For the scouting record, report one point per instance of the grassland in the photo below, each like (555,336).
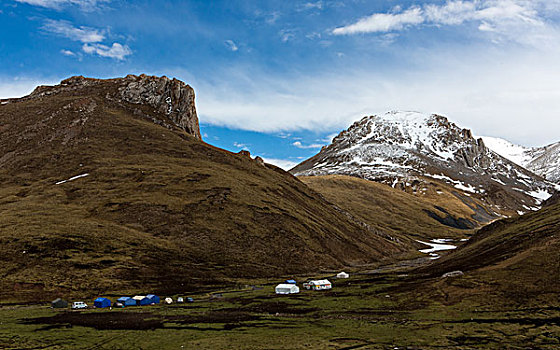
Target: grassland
(363,312)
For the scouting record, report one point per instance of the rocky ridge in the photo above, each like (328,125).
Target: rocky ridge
(544,161)
(169,97)
(409,149)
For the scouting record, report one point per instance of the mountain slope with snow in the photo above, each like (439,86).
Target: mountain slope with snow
(407,148)
(543,161)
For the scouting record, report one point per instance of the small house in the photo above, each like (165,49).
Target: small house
(142,300)
(343,275)
(318,285)
(153,298)
(126,301)
(59,304)
(102,302)
(286,288)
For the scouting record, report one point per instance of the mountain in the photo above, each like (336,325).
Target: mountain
(543,161)
(106,186)
(410,150)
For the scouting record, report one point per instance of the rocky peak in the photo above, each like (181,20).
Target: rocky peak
(401,148)
(170,97)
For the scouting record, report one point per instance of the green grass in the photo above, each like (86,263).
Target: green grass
(357,312)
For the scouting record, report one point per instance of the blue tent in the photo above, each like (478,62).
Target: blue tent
(102,302)
(291,281)
(142,300)
(126,301)
(153,298)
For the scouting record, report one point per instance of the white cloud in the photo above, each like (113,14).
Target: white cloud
(67,30)
(286,35)
(513,95)
(58,4)
(521,21)
(90,37)
(231,45)
(318,5)
(240,145)
(67,53)
(116,51)
(281,163)
(383,22)
(18,87)
(298,144)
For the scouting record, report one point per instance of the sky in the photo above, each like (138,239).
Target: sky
(282,78)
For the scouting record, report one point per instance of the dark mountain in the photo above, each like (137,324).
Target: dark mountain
(107,186)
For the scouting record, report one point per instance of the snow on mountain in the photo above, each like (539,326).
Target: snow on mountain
(517,154)
(543,161)
(403,147)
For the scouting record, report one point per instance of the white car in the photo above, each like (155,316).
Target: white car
(79,305)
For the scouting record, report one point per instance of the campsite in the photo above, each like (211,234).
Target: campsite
(381,308)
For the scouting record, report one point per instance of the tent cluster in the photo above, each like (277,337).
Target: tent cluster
(138,300)
(290,286)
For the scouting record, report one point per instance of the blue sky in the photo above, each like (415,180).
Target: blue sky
(280,78)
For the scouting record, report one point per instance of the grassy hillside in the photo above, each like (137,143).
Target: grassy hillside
(514,261)
(434,211)
(158,210)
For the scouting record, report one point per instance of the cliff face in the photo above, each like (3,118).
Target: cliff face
(168,97)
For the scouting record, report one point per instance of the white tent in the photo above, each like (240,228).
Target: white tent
(286,289)
(342,275)
(180,300)
(318,285)
(168,300)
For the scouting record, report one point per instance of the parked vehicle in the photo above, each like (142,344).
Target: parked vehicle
(190,300)
(79,305)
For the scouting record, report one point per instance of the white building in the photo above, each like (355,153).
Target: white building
(285,288)
(343,275)
(318,285)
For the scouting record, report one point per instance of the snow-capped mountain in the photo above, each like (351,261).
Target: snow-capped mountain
(543,161)
(404,147)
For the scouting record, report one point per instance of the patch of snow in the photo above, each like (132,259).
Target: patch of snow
(436,246)
(71,179)
(499,181)
(540,195)
(517,154)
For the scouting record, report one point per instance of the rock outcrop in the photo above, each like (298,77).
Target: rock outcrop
(169,97)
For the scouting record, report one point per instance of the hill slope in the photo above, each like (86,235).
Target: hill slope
(106,186)
(433,211)
(513,261)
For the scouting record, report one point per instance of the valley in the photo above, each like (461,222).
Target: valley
(108,189)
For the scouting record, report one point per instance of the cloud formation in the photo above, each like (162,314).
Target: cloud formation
(516,20)
(67,30)
(494,94)
(231,45)
(298,144)
(91,39)
(58,4)
(116,51)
